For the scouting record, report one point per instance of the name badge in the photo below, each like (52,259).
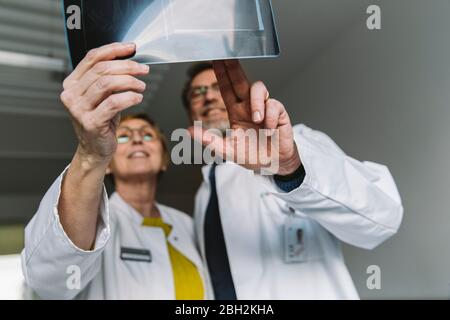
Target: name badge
(294,240)
(131,254)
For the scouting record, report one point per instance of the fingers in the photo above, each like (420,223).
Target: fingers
(115,104)
(270,112)
(226,88)
(233,82)
(107,52)
(107,85)
(213,141)
(276,114)
(103,68)
(236,74)
(258,95)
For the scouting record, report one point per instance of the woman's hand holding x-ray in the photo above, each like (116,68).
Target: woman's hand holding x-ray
(96,92)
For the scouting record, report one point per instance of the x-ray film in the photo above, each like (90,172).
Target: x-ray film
(167,31)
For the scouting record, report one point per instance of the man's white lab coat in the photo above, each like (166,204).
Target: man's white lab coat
(341,199)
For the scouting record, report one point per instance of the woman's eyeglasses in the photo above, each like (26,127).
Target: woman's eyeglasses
(125,134)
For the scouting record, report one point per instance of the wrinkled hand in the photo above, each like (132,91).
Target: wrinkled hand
(96,92)
(249,107)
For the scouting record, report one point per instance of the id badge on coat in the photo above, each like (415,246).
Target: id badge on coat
(295,249)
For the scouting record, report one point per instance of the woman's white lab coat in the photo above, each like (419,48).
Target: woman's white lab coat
(56,269)
(340,199)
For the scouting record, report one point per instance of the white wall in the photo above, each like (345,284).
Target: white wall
(385,96)
(11,278)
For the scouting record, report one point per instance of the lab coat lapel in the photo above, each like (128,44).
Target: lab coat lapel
(201,206)
(180,240)
(120,204)
(239,214)
(177,239)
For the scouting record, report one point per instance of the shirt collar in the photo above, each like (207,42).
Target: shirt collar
(133,214)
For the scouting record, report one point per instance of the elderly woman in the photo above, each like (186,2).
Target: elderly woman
(80,244)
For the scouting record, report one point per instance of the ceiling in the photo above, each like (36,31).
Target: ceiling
(36,138)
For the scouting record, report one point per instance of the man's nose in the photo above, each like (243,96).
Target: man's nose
(212,95)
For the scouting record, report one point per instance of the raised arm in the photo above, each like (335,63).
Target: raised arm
(94,95)
(71,227)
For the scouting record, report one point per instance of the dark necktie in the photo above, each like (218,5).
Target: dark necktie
(215,249)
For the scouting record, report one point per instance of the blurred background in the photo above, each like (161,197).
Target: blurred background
(382,95)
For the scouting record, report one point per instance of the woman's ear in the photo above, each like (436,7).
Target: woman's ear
(108,170)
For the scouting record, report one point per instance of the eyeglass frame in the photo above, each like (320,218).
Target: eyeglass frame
(139,130)
(202,95)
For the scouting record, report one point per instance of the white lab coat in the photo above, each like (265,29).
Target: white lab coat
(341,199)
(49,253)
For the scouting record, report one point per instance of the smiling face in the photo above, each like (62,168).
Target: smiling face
(140,152)
(206,103)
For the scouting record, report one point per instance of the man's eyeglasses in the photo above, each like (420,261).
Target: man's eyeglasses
(125,134)
(198,93)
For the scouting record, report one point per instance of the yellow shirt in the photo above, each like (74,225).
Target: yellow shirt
(187,280)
